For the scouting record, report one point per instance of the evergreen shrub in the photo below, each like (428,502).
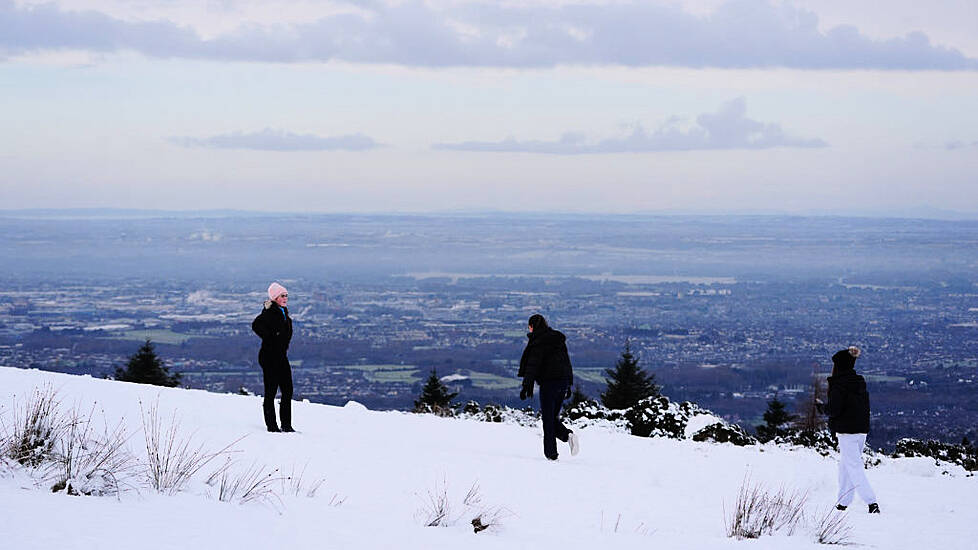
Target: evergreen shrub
(962,454)
(725,433)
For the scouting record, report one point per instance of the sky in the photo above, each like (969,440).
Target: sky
(796,106)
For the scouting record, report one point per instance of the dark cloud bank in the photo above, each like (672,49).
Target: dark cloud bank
(728,128)
(741,34)
(277,140)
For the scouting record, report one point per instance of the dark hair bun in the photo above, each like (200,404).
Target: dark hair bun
(537,322)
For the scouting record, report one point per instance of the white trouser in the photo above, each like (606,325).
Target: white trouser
(852,472)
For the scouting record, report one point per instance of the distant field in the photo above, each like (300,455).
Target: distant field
(884,379)
(385,374)
(373,368)
(592,374)
(493,381)
(157,336)
(877,378)
(393,376)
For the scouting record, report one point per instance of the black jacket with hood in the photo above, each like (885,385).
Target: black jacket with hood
(848,405)
(545,358)
(274,326)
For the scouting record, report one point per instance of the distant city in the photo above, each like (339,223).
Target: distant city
(728,312)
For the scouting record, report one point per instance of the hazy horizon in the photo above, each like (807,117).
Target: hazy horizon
(935,214)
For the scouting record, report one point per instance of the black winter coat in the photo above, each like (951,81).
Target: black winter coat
(848,405)
(275,330)
(545,358)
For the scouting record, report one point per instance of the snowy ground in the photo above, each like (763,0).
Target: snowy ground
(619,492)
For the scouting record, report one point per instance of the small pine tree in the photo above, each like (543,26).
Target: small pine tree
(775,420)
(435,396)
(628,383)
(145,367)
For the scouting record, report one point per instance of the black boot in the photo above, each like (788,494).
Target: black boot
(840,507)
(268,411)
(874,508)
(285,414)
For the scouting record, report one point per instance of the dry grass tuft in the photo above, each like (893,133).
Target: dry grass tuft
(296,484)
(832,527)
(171,458)
(256,483)
(36,427)
(86,462)
(437,509)
(759,511)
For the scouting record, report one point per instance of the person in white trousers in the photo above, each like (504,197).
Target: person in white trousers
(848,409)
(852,472)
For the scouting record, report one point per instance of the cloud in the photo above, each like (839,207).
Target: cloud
(959,144)
(728,128)
(739,34)
(278,140)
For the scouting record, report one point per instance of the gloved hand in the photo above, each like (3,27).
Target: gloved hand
(526,392)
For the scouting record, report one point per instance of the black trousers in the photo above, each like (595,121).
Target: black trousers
(551,400)
(277,375)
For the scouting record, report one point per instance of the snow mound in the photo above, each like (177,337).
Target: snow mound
(355,406)
(917,466)
(699,421)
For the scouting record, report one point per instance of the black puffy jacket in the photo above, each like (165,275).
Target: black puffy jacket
(848,405)
(545,358)
(275,330)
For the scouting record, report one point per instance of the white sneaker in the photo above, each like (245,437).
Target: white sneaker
(575,444)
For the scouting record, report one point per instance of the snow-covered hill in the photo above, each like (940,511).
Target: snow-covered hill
(381,468)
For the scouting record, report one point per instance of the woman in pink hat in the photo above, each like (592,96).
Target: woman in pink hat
(274,326)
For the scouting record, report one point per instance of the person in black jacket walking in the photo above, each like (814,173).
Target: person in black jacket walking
(545,361)
(274,326)
(848,409)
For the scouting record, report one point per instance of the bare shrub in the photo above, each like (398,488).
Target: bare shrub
(89,463)
(759,511)
(222,470)
(7,467)
(437,509)
(489,518)
(641,528)
(35,428)
(832,527)
(473,497)
(253,484)
(485,517)
(477,524)
(171,458)
(296,484)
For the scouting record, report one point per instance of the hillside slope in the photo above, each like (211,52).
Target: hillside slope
(620,491)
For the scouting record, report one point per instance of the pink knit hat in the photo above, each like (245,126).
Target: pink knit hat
(275,290)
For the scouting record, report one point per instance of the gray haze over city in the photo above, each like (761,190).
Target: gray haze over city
(727,311)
